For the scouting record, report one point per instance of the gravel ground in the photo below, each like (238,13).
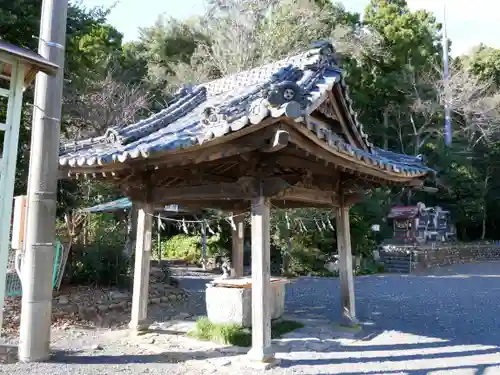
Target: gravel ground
(458,303)
(446,321)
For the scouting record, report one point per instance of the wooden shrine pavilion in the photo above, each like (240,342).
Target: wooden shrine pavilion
(282,134)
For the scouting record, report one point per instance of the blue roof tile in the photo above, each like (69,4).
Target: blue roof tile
(291,87)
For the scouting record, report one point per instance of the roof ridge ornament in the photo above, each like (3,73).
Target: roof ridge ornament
(324,53)
(287,94)
(112,136)
(212,115)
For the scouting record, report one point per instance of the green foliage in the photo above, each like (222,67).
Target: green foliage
(184,247)
(484,62)
(233,334)
(100,262)
(226,334)
(369,267)
(306,258)
(188,247)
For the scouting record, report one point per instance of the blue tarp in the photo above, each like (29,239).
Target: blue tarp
(124,204)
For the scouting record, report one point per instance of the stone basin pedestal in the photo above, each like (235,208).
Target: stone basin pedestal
(229,301)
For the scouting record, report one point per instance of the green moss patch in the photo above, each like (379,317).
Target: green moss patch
(233,334)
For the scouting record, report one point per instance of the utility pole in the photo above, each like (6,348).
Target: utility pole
(446,80)
(37,267)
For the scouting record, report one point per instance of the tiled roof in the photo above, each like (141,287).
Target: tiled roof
(291,87)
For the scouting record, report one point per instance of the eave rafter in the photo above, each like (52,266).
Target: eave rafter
(282,161)
(312,145)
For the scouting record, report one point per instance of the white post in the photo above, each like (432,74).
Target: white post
(37,268)
(139,319)
(8,172)
(238,239)
(348,312)
(261,285)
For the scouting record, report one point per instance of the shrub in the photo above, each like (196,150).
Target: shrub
(306,257)
(188,247)
(102,261)
(98,264)
(183,247)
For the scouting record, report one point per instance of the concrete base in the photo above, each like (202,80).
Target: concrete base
(261,359)
(230,301)
(140,327)
(261,365)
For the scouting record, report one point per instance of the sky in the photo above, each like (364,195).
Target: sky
(470,22)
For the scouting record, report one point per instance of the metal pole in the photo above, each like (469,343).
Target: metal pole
(446,79)
(34,340)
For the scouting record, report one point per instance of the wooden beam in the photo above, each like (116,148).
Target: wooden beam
(229,206)
(338,93)
(327,123)
(229,196)
(352,199)
(311,144)
(244,188)
(278,142)
(342,120)
(317,168)
(279,203)
(309,196)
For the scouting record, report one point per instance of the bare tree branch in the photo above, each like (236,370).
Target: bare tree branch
(102,104)
(475,101)
(247,33)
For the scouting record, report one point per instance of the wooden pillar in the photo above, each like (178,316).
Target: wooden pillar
(348,308)
(261,285)
(141,269)
(131,231)
(238,238)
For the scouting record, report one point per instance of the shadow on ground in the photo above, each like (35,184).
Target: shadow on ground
(443,321)
(76,358)
(457,303)
(387,352)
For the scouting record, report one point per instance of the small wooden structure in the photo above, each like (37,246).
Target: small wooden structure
(420,224)
(18,67)
(282,135)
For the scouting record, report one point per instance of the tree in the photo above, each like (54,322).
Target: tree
(100,105)
(409,45)
(163,46)
(20,21)
(484,63)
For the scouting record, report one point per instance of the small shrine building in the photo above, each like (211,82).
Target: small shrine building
(283,134)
